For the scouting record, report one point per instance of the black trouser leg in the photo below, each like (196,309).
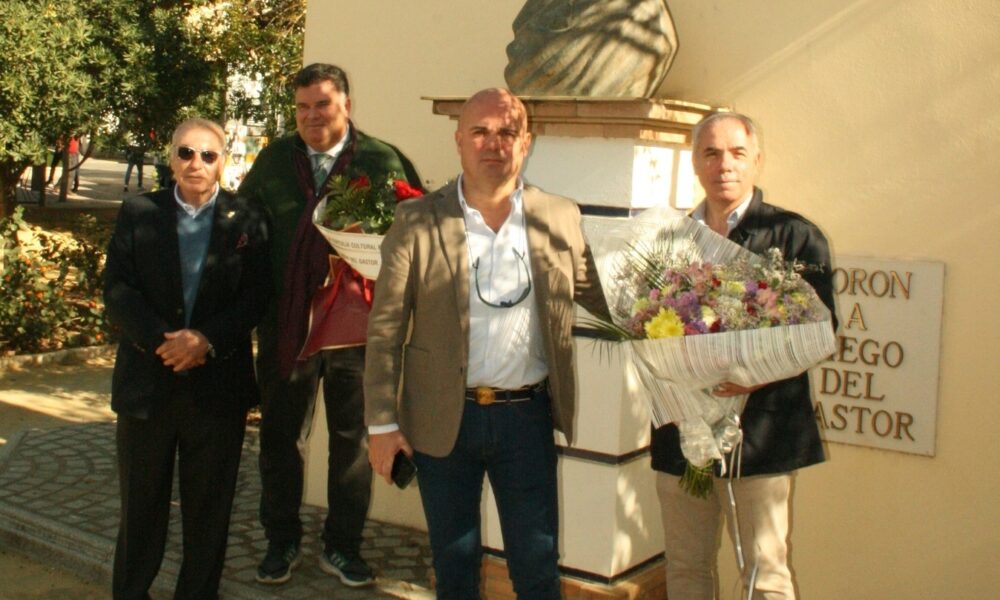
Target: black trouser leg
(146,450)
(349,474)
(286,417)
(208,465)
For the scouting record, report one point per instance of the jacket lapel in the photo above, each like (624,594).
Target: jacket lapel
(748,225)
(223,218)
(451,228)
(171,248)
(536,218)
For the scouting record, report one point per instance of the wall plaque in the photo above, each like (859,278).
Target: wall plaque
(880,387)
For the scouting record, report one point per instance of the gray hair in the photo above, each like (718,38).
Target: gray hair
(748,125)
(198,123)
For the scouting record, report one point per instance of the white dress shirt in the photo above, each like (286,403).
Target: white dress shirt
(333,152)
(192,211)
(505,343)
(698,214)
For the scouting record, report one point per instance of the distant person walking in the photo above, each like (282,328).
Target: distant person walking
(73,148)
(57,157)
(135,157)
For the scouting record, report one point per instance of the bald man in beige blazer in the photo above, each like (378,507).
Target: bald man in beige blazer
(470,351)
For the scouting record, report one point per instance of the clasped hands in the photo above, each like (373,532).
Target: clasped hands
(184,349)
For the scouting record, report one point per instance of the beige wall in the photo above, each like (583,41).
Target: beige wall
(881,123)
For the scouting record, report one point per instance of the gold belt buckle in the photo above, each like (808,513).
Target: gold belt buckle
(485,396)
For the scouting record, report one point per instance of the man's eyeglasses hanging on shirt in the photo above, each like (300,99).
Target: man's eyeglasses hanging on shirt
(505,303)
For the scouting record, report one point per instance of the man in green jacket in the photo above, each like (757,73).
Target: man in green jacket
(289,177)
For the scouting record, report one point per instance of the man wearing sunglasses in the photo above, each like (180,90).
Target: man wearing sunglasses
(473,313)
(186,282)
(288,178)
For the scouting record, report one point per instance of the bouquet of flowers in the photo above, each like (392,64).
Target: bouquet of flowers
(355,213)
(696,310)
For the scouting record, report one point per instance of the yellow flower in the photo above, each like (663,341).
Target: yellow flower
(708,316)
(800,299)
(640,305)
(734,288)
(665,324)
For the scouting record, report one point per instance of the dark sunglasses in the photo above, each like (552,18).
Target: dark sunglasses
(187,153)
(505,303)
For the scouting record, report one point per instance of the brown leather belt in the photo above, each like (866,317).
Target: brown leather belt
(484,396)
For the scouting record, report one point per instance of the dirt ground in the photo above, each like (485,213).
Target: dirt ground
(25,579)
(45,398)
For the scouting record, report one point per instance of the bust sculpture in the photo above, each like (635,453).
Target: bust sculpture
(595,48)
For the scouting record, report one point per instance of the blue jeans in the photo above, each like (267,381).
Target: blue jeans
(512,444)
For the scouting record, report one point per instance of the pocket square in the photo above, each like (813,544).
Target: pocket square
(243,241)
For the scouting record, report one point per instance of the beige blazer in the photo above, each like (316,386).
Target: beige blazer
(418,330)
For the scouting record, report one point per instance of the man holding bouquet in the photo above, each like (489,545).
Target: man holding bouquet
(472,314)
(779,427)
(289,178)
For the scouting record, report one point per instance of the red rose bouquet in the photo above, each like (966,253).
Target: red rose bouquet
(356,212)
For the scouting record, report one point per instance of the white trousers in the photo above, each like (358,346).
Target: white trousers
(692,536)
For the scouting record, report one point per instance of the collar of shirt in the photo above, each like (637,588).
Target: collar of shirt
(731,221)
(515,199)
(192,211)
(333,152)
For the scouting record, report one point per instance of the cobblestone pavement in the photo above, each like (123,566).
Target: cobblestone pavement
(59,498)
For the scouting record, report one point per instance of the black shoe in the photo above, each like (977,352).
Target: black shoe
(352,570)
(278,562)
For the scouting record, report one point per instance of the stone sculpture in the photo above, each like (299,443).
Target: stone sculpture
(594,48)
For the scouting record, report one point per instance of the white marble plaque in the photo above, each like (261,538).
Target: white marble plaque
(880,387)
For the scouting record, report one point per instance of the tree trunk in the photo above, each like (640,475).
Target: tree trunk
(66,174)
(8,192)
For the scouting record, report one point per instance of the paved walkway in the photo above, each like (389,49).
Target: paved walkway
(101,182)
(59,503)
(59,496)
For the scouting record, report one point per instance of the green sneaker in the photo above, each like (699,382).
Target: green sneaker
(352,570)
(278,563)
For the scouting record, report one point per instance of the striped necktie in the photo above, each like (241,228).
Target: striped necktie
(319,169)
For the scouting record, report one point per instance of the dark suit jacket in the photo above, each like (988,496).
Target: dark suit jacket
(418,330)
(779,425)
(144,298)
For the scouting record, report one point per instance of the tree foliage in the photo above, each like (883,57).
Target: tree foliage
(260,44)
(46,74)
(134,70)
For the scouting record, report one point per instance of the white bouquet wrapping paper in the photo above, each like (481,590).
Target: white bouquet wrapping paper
(360,250)
(675,374)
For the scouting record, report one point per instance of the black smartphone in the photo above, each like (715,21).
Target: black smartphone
(403,470)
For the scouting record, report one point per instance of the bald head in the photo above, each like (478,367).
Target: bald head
(493,139)
(497,99)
